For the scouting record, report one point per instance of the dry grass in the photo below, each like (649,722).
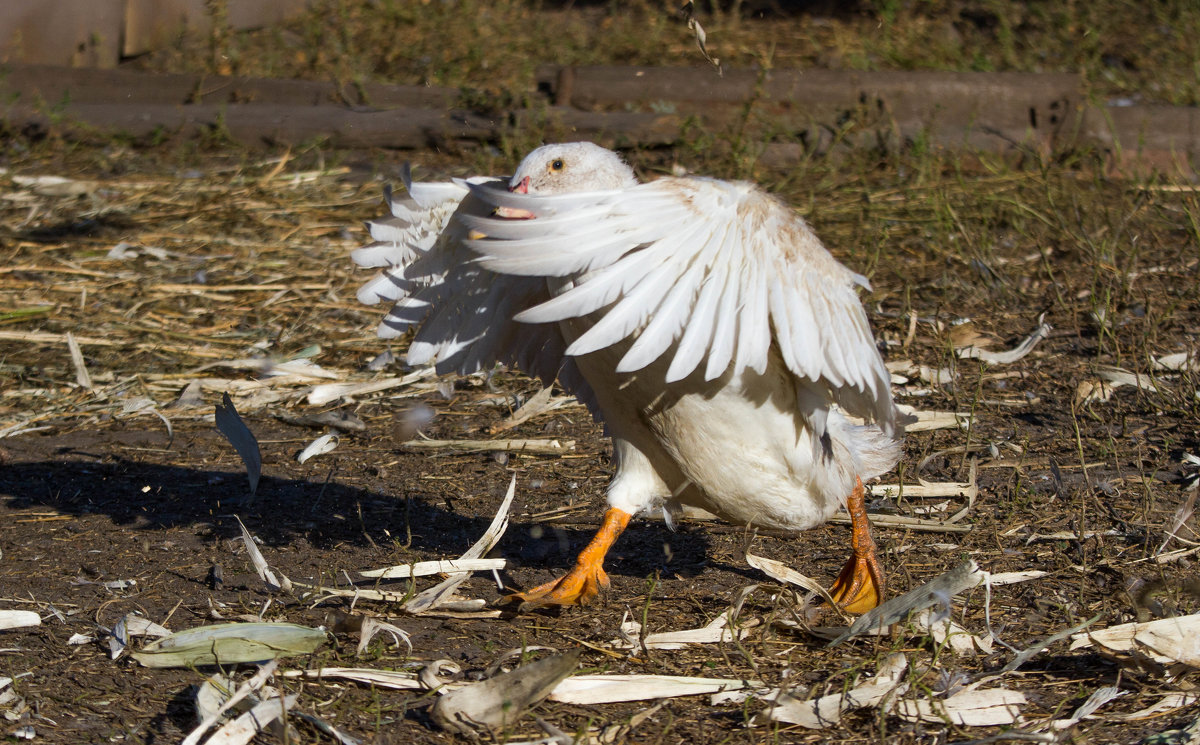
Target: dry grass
(255,265)
(490,49)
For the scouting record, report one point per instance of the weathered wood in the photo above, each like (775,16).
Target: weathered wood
(152,23)
(605,87)
(33,84)
(617,129)
(96,33)
(61,32)
(1144,139)
(261,124)
(1019,106)
(796,113)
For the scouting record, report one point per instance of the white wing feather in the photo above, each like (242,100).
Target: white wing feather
(710,273)
(464,313)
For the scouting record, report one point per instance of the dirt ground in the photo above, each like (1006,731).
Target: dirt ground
(251,262)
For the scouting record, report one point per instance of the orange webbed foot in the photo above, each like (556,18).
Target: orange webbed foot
(577,587)
(587,578)
(861,585)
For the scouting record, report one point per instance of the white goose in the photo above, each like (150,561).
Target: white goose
(701,320)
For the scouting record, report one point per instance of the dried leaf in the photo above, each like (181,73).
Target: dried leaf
(714,633)
(1117,376)
(926,489)
(230,643)
(211,695)
(118,640)
(827,711)
(371,627)
(1181,516)
(1005,358)
(136,625)
(438,595)
(1178,642)
(302,368)
(780,572)
(986,707)
(142,405)
(339,419)
(327,728)
(230,424)
(1167,640)
(122,251)
(496,703)
(452,609)
(1099,697)
(1111,378)
(112,584)
(260,563)
(945,631)
(1178,362)
(689,12)
(610,689)
(327,392)
(189,397)
(15,619)
(1168,703)
(1089,391)
(56,186)
(538,404)
(81,374)
(938,590)
(243,729)
(12,706)
(253,684)
(927,421)
(1012,578)
(425,568)
(903,370)
(366,676)
(540,447)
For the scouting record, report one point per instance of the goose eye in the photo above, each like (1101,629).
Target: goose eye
(556,164)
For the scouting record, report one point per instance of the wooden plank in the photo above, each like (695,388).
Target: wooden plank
(50,84)
(1142,140)
(945,110)
(1037,106)
(270,124)
(615,129)
(260,124)
(61,32)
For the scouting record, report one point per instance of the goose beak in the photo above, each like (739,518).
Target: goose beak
(516,213)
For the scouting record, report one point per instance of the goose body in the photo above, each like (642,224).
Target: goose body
(701,320)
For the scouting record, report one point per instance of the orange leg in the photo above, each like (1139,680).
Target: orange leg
(585,581)
(860,585)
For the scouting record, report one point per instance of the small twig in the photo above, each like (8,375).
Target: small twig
(546,447)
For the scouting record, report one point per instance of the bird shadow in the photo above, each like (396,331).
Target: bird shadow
(326,516)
